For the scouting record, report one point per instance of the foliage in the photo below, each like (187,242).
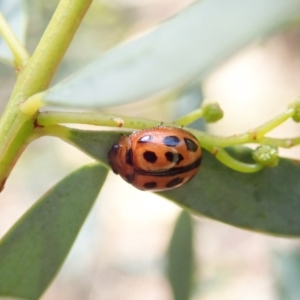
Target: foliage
(171,60)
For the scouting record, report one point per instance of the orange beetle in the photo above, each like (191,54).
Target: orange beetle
(156,159)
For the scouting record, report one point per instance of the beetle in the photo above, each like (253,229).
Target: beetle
(156,159)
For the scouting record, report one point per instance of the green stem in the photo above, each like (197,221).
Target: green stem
(207,141)
(252,136)
(213,144)
(16,127)
(97,119)
(260,131)
(284,143)
(58,131)
(21,56)
(236,165)
(190,118)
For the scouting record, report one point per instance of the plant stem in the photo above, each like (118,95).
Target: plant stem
(15,127)
(190,118)
(213,144)
(284,143)
(21,56)
(252,136)
(207,141)
(235,164)
(97,119)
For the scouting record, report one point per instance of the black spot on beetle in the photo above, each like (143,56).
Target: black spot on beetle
(145,139)
(173,157)
(150,156)
(129,157)
(172,171)
(150,185)
(191,145)
(180,158)
(114,149)
(174,182)
(111,156)
(171,140)
(169,156)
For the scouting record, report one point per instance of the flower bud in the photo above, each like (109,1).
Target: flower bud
(296,105)
(266,155)
(212,111)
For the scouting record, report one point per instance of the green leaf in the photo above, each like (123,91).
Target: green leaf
(181,257)
(287,274)
(15,14)
(34,249)
(94,143)
(267,201)
(184,48)
(187,100)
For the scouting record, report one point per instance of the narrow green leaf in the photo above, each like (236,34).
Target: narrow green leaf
(94,143)
(32,252)
(267,201)
(15,14)
(181,257)
(287,274)
(189,99)
(184,48)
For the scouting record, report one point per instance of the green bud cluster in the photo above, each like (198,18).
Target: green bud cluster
(212,111)
(266,155)
(296,105)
